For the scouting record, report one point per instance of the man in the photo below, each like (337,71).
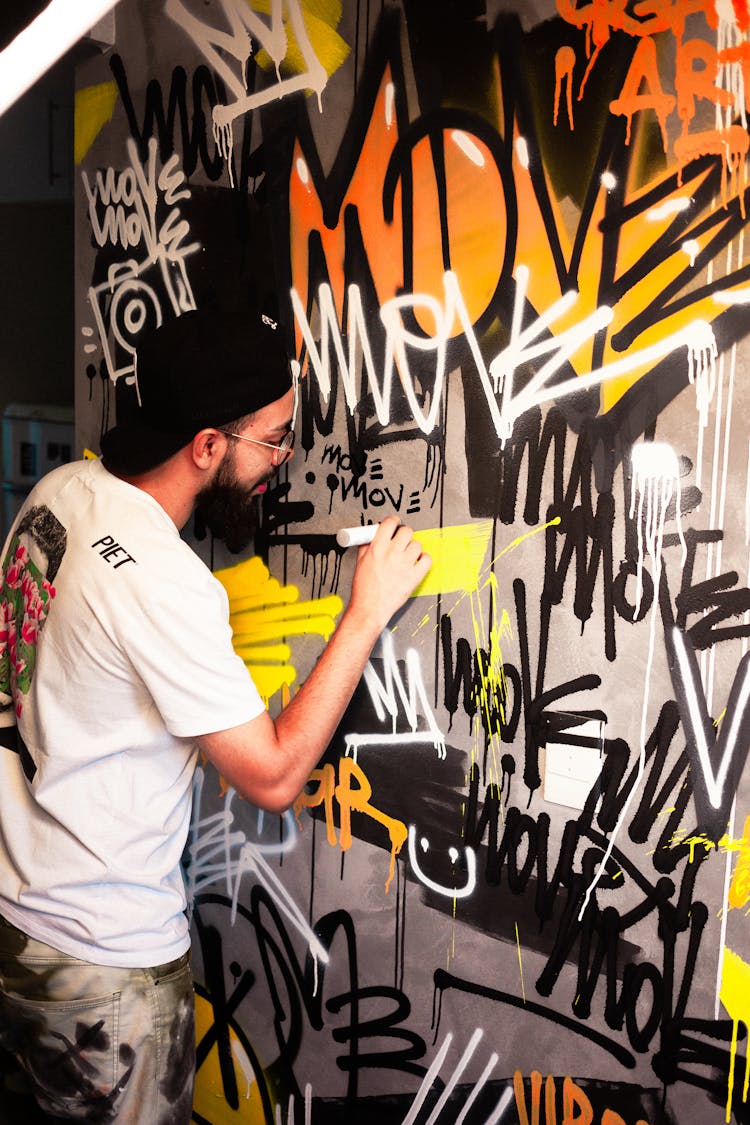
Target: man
(116,666)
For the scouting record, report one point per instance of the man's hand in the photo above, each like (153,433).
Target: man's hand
(388,570)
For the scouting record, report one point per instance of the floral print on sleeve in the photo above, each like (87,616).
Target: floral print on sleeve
(25,599)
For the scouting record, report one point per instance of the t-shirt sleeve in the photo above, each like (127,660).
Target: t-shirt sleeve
(179,641)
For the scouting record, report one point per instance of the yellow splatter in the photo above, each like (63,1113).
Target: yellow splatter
(735,996)
(262,612)
(209,1100)
(725,844)
(321,18)
(94,106)
(491,687)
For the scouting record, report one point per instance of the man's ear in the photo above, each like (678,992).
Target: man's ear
(208,448)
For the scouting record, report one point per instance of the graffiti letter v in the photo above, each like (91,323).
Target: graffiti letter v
(716,760)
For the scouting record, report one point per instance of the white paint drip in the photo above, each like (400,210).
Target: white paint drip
(730,74)
(656,479)
(225,143)
(711,554)
(702,353)
(302,170)
(692,248)
(241,1058)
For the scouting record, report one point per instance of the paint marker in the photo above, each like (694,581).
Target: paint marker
(356,536)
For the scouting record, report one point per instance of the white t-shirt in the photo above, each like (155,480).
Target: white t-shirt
(115,652)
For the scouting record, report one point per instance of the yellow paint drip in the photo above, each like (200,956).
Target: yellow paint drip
(457,555)
(735,996)
(94,106)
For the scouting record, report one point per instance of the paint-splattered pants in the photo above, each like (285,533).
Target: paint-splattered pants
(98,1044)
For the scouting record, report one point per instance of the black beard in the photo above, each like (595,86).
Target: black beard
(228,511)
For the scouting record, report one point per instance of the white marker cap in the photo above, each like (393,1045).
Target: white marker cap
(356,536)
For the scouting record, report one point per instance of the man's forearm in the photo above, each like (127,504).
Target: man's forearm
(305,727)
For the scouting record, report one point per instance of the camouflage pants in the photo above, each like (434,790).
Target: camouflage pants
(98,1044)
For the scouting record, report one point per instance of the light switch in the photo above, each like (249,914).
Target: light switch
(572,768)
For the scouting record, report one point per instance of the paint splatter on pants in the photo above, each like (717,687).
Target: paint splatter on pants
(98,1044)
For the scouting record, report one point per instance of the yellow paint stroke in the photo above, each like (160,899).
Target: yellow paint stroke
(739,889)
(262,613)
(735,996)
(321,18)
(457,555)
(94,106)
(89,455)
(520,963)
(209,1100)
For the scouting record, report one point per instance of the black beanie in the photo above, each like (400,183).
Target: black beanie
(204,368)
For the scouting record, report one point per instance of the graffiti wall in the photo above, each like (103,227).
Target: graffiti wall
(506,241)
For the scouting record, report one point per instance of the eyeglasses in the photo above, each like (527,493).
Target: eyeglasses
(281,452)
